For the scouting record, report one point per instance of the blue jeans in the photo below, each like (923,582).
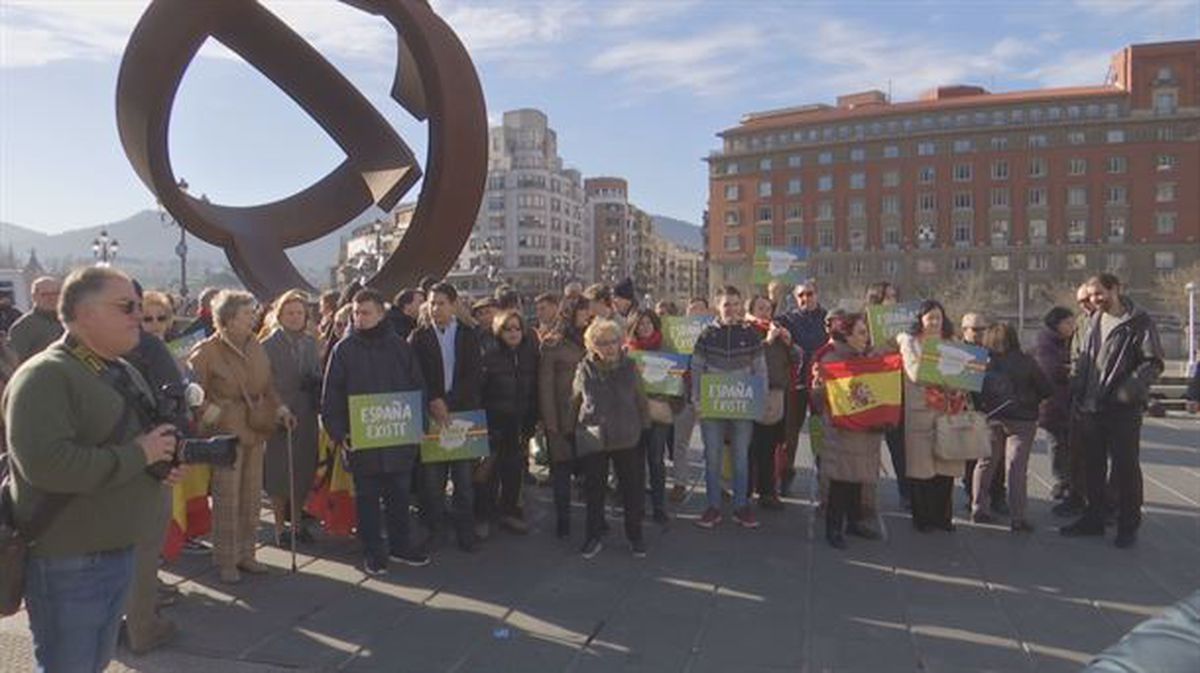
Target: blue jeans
(713,433)
(75,605)
(654,441)
(393,488)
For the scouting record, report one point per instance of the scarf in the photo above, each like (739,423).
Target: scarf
(650,343)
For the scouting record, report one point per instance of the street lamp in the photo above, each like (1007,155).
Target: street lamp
(1190,288)
(104,248)
(181,248)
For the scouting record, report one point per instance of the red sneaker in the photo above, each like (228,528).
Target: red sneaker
(745,517)
(710,518)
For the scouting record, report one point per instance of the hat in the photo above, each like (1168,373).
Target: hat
(625,290)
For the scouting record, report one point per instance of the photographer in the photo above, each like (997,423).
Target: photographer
(80,449)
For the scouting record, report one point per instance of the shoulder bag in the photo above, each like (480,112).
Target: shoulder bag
(962,436)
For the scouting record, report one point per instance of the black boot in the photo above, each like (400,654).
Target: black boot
(856,525)
(835,516)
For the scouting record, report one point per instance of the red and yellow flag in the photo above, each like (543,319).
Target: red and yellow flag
(864,394)
(190,513)
(332,496)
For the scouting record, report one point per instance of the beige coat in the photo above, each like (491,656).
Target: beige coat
(223,370)
(556,376)
(919,420)
(846,455)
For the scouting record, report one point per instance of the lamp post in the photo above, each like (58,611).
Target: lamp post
(181,248)
(105,248)
(1190,288)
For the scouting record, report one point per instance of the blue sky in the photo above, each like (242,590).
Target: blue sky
(633,88)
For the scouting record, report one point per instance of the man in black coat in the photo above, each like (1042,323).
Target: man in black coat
(1110,384)
(404,311)
(451,361)
(371,359)
(806,324)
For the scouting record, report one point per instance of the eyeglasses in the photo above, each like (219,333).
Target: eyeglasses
(155,318)
(128,307)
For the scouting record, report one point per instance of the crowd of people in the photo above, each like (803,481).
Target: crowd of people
(558,381)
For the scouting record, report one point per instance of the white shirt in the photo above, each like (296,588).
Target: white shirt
(446,337)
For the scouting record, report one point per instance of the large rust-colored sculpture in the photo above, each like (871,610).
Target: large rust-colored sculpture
(435,80)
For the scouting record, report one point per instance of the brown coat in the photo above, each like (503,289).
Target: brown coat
(919,420)
(556,376)
(848,456)
(223,370)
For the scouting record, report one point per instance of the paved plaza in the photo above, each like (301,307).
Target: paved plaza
(773,599)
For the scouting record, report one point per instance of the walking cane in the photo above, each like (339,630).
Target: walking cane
(292,495)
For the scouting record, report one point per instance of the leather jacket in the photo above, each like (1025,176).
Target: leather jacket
(1116,373)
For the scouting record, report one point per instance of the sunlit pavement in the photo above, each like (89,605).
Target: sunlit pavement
(773,599)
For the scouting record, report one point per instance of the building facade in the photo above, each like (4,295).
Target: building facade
(532,231)
(369,245)
(1028,189)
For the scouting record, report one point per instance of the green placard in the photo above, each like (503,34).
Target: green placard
(662,373)
(952,364)
(680,333)
(787,265)
(466,437)
(386,419)
(888,320)
(732,396)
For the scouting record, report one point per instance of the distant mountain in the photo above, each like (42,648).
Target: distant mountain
(678,231)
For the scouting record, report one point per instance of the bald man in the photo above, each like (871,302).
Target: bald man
(39,328)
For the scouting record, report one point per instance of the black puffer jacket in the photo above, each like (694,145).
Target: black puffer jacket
(1116,373)
(1014,387)
(510,386)
(1053,354)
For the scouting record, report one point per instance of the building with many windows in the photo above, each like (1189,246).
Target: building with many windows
(1029,188)
(532,230)
(370,244)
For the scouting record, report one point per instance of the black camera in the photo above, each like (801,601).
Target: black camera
(173,405)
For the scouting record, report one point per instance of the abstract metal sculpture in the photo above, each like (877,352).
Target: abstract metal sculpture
(435,80)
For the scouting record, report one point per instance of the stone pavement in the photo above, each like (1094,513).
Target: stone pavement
(773,599)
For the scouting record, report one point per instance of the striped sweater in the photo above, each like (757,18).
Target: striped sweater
(727,349)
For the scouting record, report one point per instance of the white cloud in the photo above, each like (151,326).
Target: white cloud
(706,64)
(1111,8)
(1073,68)
(635,13)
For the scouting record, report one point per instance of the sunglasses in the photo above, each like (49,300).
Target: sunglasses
(128,307)
(155,318)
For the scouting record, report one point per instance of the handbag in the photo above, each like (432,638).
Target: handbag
(589,439)
(773,407)
(962,436)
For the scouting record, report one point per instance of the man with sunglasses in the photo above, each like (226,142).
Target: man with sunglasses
(80,448)
(39,328)
(806,324)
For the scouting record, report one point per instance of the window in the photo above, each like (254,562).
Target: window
(926,149)
(1076,137)
(1000,169)
(825,238)
(926,235)
(732,192)
(496,182)
(962,172)
(926,266)
(764,213)
(962,264)
(764,164)
(824,267)
(1164,102)
(1165,192)
(795,241)
(1164,223)
(858,181)
(764,237)
(1116,164)
(825,158)
(857,154)
(964,200)
(794,186)
(891,237)
(1037,167)
(1037,231)
(495,203)
(1000,197)
(891,178)
(1000,231)
(731,168)
(1115,136)
(1039,262)
(891,267)
(1076,196)
(825,210)
(1115,261)
(1164,260)
(733,243)
(1037,140)
(1164,162)
(857,208)
(963,145)
(926,175)
(732,218)
(999,143)
(795,161)
(891,151)
(1165,134)
(764,189)
(1077,230)
(891,204)
(1116,194)
(1116,229)
(825,183)
(795,212)
(927,202)
(1037,196)
(1076,166)
(963,233)
(1076,261)
(999,262)
(858,239)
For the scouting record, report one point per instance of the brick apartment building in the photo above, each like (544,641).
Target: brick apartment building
(1035,188)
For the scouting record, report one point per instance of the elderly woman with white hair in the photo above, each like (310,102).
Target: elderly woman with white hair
(235,372)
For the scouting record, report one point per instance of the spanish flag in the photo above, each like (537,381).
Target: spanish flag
(190,513)
(864,394)
(331,498)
